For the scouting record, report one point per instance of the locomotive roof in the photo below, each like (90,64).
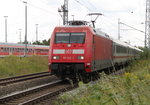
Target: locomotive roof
(22,45)
(99,32)
(77,22)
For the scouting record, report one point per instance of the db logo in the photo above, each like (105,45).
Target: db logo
(68,51)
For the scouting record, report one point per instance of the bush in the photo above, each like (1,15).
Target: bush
(132,88)
(145,54)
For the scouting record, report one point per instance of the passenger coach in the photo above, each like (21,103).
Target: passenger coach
(7,49)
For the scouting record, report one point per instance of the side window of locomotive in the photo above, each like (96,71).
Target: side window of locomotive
(62,38)
(77,38)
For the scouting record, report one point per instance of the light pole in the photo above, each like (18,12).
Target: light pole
(36,32)
(72,17)
(118,28)
(5,28)
(25,51)
(20,35)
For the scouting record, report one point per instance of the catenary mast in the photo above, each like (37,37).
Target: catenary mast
(147,24)
(64,10)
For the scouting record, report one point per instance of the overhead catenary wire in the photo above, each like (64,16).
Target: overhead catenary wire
(82,5)
(42,9)
(132,27)
(90,4)
(50,12)
(79,2)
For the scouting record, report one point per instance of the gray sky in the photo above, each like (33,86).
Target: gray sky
(44,13)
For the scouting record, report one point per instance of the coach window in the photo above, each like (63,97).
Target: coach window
(9,49)
(5,50)
(22,49)
(30,50)
(130,51)
(120,49)
(27,50)
(1,49)
(15,49)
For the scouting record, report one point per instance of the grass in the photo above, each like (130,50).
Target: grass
(132,88)
(13,65)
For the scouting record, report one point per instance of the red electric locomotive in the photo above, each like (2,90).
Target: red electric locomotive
(80,51)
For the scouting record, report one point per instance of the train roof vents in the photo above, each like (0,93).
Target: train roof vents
(77,22)
(99,32)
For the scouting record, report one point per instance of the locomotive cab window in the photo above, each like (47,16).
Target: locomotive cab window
(77,37)
(70,38)
(62,38)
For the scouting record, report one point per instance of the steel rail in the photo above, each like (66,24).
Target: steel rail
(48,95)
(17,95)
(10,80)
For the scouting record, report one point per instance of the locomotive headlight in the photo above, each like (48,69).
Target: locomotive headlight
(80,57)
(55,57)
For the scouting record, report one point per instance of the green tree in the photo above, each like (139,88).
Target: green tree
(37,43)
(44,42)
(146,53)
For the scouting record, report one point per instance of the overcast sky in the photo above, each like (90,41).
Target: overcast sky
(44,13)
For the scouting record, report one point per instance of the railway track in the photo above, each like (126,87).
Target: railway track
(6,81)
(37,94)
